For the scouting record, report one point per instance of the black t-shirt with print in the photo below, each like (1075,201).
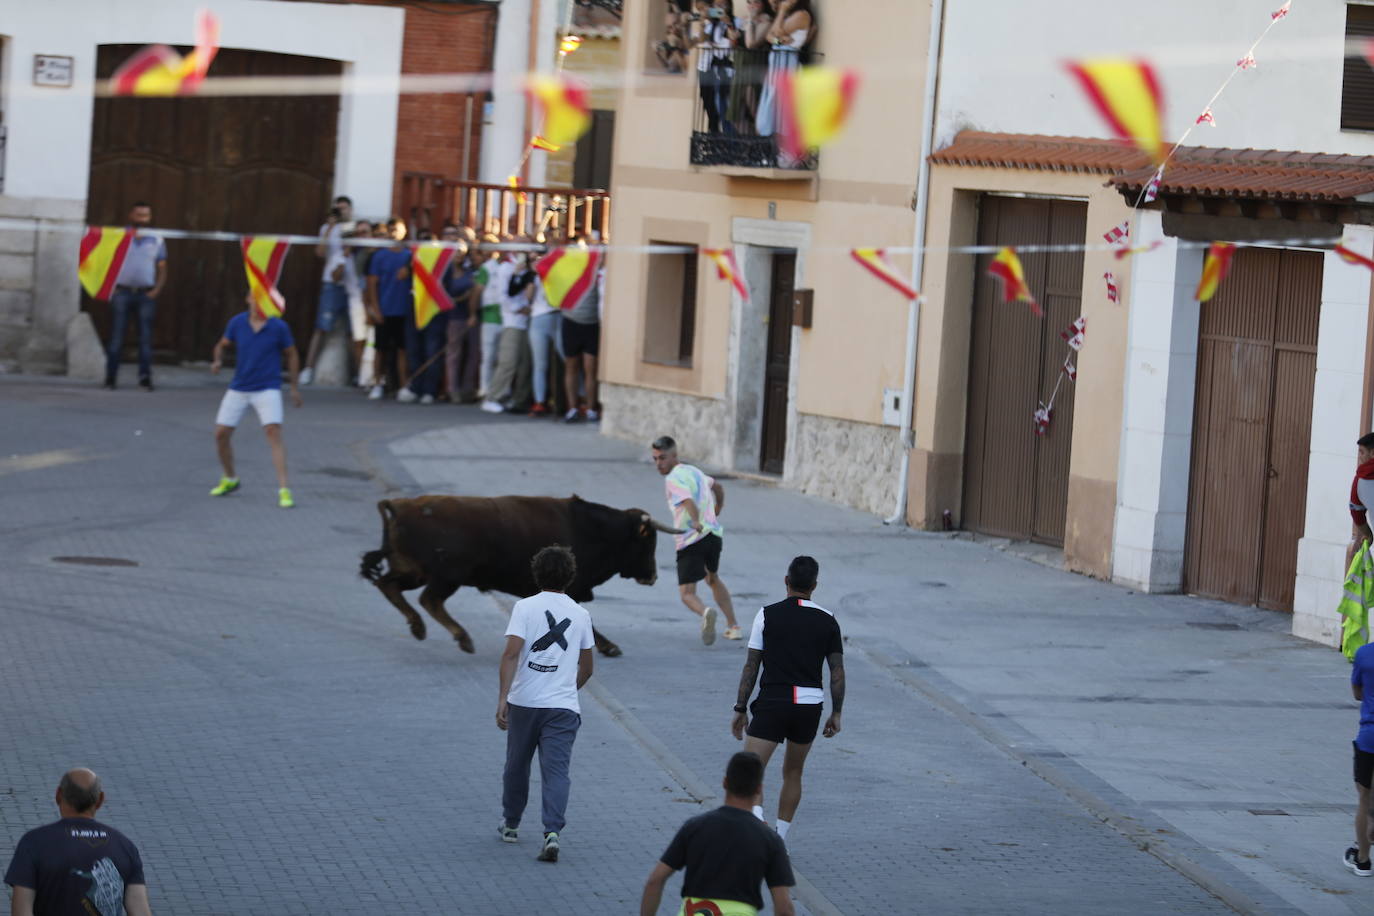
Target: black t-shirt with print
(727,853)
(796,636)
(76,866)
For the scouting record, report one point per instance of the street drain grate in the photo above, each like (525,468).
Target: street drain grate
(1214,626)
(95,561)
(1269,812)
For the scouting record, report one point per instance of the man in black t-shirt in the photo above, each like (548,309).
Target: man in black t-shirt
(790,640)
(77,866)
(727,853)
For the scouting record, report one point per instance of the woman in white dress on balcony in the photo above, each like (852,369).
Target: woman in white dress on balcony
(793,28)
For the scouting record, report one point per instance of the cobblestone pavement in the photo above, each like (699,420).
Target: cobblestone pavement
(276,742)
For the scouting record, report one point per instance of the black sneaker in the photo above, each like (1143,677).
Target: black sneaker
(1363,869)
(550,851)
(146,383)
(109,384)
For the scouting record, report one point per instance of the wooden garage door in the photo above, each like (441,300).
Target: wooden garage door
(255,165)
(1257,361)
(1016,484)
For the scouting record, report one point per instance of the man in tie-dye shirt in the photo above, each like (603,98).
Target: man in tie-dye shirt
(696,500)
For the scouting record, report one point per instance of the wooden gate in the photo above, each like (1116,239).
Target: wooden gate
(1257,362)
(777,369)
(1016,483)
(255,165)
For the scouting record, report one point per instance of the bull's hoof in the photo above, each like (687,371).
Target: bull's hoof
(610,650)
(464,642)
(417,629)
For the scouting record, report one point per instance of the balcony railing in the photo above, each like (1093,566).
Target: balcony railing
(735,119)
(560,214)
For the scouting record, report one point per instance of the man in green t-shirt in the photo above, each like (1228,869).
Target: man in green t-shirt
(492,279)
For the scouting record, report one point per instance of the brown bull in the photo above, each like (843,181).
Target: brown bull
(441,543)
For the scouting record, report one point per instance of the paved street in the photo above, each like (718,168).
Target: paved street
(1016,738)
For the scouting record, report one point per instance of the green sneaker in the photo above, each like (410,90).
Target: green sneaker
(284,498)
(225,486)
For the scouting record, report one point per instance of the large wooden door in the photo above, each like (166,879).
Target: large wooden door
(1016,483)
(1257,361)
(778,366)
(255,165)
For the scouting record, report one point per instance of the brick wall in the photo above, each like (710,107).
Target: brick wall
(447,38)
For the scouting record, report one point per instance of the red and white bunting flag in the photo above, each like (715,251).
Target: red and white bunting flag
(1119,235)
(1282,11)
(1207,118)
(1152,189)
(1042,420)
(1073,334)
(1113,294)
(1247,62)
(1070,369)
(1353,257)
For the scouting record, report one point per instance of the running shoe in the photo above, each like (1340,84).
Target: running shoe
(307,376)
(492,407)
(284,498)
(406,396)
(225,486)
(1363,869)
(427,399)
(507,834)
(550,851)
(574,415)
(539,410)
(376,393)
(708,627)
(732,633)
(593,417)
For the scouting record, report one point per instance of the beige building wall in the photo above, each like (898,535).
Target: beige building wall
(861,196)
(597,61)
(942,366)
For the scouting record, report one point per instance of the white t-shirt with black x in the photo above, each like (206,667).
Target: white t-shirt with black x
(555,629)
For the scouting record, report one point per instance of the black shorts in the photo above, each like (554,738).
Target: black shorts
(580,338)
(694,560)
(778,721)
(1364,766)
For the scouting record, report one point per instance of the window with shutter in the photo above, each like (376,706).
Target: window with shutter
(1357,89)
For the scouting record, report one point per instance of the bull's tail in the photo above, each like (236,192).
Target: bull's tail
(374,563)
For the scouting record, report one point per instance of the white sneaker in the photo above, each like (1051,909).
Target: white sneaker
(406,396)
(376,393)
(593,416)
(427,399)
(307,376)
(493,407)
(708,627)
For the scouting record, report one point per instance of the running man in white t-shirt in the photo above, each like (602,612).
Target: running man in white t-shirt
(548,658)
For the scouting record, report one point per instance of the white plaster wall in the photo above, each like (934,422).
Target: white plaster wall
(49,138)
(503,139)
(1156,434)
(1336,423)
(1002,68)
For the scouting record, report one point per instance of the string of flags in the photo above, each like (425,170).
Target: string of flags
(568,273)
(1006,266)
(813,105)
(157,70)
(727,269)
(263,257)
(1073,335)
(875,261)
(428,262)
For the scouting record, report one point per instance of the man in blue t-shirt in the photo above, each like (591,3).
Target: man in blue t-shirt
(391,297)
(1362,685)
(258,343)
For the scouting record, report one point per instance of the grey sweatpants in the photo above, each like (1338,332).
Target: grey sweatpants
(552,732)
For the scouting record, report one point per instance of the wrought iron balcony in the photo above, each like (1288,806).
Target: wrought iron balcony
(735,118)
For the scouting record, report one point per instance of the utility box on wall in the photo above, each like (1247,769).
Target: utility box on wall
(892,407)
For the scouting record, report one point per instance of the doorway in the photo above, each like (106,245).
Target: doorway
(777,362)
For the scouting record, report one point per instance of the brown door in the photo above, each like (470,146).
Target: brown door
(254,165)
(1257,360)
(1016,483)
(775,373)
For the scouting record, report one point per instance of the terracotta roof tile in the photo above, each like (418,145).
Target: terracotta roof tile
(1193,170)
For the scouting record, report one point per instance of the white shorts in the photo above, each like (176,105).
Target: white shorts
(266,403)
(357,317)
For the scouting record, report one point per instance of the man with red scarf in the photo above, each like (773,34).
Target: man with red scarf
(1361,495)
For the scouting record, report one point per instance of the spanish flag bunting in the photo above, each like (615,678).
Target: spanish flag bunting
(1214,269)
(1007,266)
(1353,257)
(875,261)
(263,257)
(102,255)
(566,107)
(568,273)
(158,70)
(1122,253)
(813,104)
(427,266)
(727,268)
(1126,94)
(540,143)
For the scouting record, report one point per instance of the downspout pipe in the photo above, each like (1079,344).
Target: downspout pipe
(918,257)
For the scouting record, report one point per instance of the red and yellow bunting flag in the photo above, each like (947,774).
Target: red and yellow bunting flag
(102,255)
(427,266)
(566,107)
(540,143)
(158,70)
(263,257)
(813,104)
(568,273)
(875,261)
(727,268)
(1214,269)
(1122,253)
(1007,267)
(1126,94)
(1353,257)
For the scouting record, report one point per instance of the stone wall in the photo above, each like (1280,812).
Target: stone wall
(39,292)
(643,414)
(853,464)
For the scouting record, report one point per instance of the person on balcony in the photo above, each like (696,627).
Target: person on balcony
(793,28)
(750,38)
(714,71)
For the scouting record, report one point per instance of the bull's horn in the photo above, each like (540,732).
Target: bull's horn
(659,526)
